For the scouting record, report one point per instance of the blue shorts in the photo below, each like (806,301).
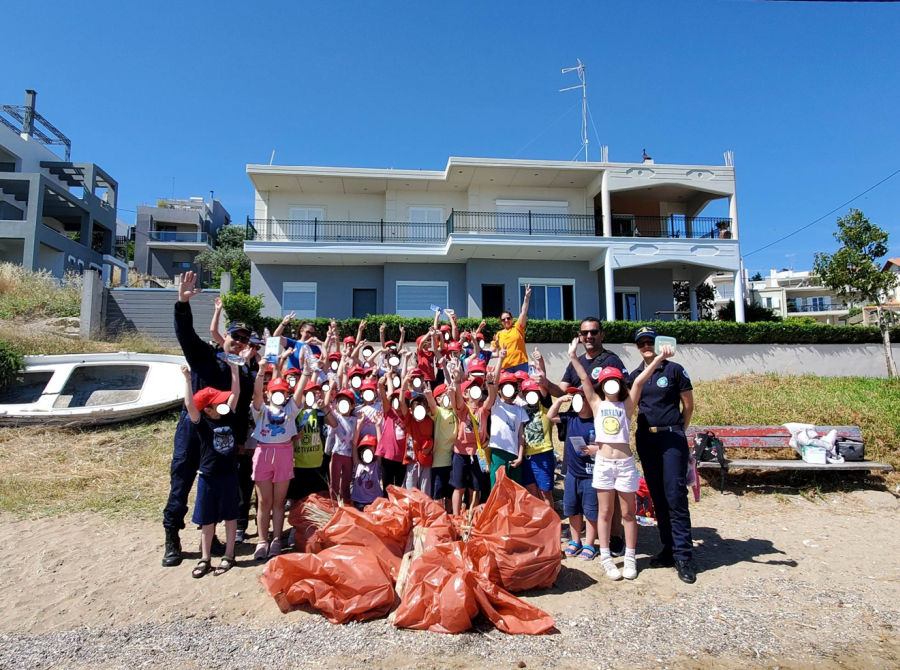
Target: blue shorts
(218,499)
(465,472)
(539,469)
(579,497)
(521,367)
(440,482)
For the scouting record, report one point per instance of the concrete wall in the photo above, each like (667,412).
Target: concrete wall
(334,286)
(714,361)
(484,198)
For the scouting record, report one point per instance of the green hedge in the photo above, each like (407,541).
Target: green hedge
(687,332)
(10,363)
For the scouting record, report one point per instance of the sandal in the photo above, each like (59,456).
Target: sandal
(203,566)
(262,550)
(224,566)
(572,549)
(275,548)
(587,553)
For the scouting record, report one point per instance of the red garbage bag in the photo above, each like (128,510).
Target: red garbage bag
(444,594)
(350,527)
(344,583)
(437,597)
(520,535)
(390,522)
(307,516)
(424,511)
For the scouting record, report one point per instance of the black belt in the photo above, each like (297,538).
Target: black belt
(665,429)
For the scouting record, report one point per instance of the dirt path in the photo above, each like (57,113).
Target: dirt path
(783,581)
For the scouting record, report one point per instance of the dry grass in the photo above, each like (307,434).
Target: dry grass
(46,337)
(117,470)
(37,294)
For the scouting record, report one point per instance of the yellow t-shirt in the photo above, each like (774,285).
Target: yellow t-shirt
(308,448)
(445,425)
(537,432)
(514,342)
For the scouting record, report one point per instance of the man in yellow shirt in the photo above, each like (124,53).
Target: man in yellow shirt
(512,337)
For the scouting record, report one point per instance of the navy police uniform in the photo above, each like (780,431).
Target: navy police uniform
(663,450)
(605,358)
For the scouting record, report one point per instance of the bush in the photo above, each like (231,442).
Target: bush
(10,363)
(246,308)
(752,312)
(687,332)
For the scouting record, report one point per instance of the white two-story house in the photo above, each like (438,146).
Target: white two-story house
(604,239)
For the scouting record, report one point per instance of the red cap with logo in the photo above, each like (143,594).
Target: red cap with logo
(210,396)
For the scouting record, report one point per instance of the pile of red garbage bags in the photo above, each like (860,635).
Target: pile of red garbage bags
(350,566)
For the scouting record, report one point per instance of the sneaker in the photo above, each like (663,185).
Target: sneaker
(686,571)
(629,570)
(616,546)
(662,560)
(262,550)
(240,536)
(610,567)
(275,548)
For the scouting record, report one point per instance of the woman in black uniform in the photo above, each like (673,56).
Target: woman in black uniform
(665,410)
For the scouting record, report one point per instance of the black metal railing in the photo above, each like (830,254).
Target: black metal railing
(483,223)
(173,236)
(317,230)
(824,307)
(672,226)
(521,223)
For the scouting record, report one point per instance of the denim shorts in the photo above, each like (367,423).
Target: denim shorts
(615,473)
(579,497)
(539,469)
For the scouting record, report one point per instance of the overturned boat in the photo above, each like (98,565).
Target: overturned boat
(92,389)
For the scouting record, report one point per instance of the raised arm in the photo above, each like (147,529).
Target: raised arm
(637,385)
(553,412)
(587,384)
(402,339)
(214,324)
(189,405)
(523,315)
(235,385)
(360,330)
(258,391)
(381,329)
(281,326)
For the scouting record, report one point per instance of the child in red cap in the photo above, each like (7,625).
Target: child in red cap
(212,411)
(273,459)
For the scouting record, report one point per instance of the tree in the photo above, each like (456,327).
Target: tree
(757,276)
(228,256)
(752,312)
(854,271)
(705,298)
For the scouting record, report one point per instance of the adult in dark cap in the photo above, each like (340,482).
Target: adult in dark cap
(207,369)
(664,412)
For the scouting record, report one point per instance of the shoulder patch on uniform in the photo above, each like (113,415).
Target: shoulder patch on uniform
(662,382)
(684,372)
(595,373)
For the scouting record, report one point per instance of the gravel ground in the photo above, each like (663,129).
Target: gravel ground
(752,623)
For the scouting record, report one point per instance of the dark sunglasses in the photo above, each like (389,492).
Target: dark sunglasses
(506,318)
(594,331)
(645,343)
(243,339)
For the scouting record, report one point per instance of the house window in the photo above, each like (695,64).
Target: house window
(299,297)
(521,217)
(552,299)
(299,225)
(426,215)
(306,213)
(628,303)
(769,303)
(415,298)
(818,304)
(365,302)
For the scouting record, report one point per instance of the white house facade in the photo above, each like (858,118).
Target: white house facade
(607,239)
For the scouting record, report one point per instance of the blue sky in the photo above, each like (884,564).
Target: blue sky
(805,94)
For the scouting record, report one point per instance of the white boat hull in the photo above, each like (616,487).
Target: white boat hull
(93,389)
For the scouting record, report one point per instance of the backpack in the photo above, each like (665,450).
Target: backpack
(708,447)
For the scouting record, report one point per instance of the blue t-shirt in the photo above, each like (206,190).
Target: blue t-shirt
(660,403)
(577,464)
(218,453)
(294,360)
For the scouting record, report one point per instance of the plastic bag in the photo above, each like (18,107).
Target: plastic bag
(350,527)
(424,511)
(307,516)
(520,534)
(445,593)
(344,583)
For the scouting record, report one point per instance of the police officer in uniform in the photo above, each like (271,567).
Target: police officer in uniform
(665,409)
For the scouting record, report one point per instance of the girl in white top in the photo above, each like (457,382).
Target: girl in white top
(615,472)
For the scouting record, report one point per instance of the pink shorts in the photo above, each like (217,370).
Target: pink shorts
(273,462)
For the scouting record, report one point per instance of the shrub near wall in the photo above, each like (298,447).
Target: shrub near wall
(687,332)
(10,363)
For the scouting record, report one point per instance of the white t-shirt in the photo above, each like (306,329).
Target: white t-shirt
(275,427)
(505,422)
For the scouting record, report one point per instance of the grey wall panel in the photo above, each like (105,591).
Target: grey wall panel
(151,312)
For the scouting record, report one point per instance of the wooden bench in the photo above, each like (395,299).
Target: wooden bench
(773,437)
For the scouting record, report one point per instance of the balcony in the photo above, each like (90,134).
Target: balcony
(480,223)
(166,239)
(817,309)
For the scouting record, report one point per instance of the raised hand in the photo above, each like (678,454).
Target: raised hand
(217,303)
(573,349)
(187,287)
(186,371)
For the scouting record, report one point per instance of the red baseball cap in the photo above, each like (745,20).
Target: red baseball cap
(369,384)
(210,396)
(469,383)
(478,365)
(530,385)
(292,371)
(312,386)
(521,375)
(368,441)
(440,389)
(346,393)
(349,339)
(390,343)
(356,370)
(609,373)
(278,384)
(454,346)
(334,356)
(508,378)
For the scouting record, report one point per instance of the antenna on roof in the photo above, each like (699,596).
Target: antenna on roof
(583,86)
(729,158)
(272,157)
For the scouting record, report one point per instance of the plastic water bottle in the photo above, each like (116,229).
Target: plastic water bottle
(592,437)
(232,358)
